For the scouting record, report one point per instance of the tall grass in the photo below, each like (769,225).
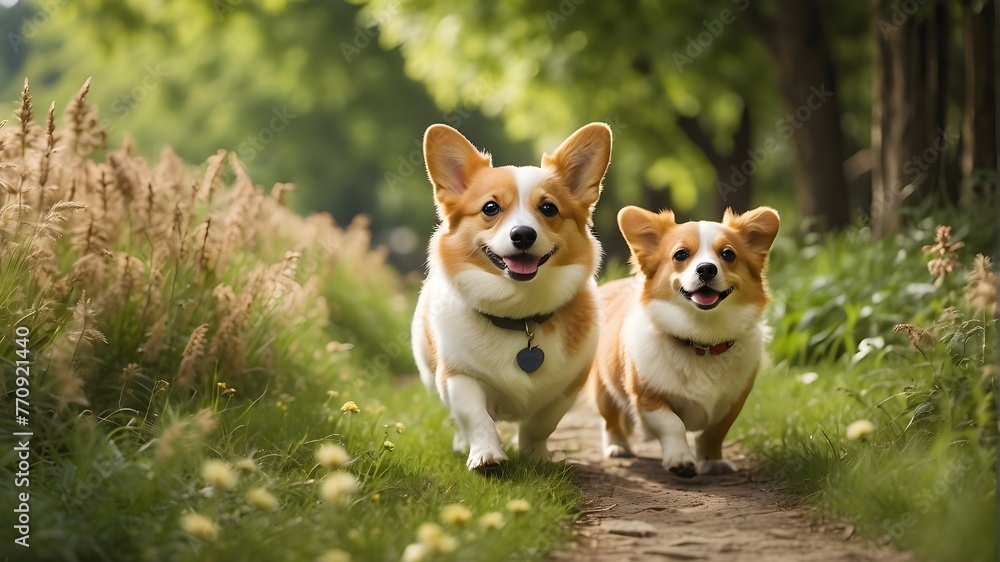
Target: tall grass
(880,407)
(192,345)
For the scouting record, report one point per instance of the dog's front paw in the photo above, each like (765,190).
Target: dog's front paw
(617,452)
(486,458)
(681,463)
(716,466)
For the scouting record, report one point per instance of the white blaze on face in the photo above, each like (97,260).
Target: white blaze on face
(708,232)
(527,178)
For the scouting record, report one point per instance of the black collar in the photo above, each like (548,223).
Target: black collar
(712,349)
(516,324)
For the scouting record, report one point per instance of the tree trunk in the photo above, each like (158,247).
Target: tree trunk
(807,83)
(908,134)
(734,171)
(979,143)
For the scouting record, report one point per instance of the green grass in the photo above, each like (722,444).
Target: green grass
(118,496)
(925,478)
(179,318)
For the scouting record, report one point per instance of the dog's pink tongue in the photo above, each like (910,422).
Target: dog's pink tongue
(525,265)
(707,298)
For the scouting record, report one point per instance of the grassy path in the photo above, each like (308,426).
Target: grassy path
(634,510)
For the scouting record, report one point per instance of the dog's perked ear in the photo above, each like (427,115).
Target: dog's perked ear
(581,161)
(643,231)
(451,162)
(758,228)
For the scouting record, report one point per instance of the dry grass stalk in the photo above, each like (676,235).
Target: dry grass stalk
(981,286)
(191,358)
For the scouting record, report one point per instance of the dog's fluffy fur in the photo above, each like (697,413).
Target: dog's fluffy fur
(479,265)
(682,340)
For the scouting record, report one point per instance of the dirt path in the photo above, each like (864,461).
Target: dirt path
(634,510)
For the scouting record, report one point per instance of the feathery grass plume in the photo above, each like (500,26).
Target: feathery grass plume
(51,224)
(228,343)
(89,273)
(25,116)
(920,339)
(153,304)
(225,300)
(191,358)
(242,220)
(86,133)
(280,281)
(945,254)
(43,167)
(154,338)
(69,350)
(10,219)
(126,172)
(279,193)
(128,272)
(206,255)
(213,174)
(981,286)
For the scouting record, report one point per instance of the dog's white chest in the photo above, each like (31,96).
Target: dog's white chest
(469,343)
(701,388)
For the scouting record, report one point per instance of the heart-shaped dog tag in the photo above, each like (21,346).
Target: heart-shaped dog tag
(530,359)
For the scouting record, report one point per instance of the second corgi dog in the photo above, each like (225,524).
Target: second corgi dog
(506,323)
(682,340)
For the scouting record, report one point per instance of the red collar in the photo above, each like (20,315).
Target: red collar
(701,348)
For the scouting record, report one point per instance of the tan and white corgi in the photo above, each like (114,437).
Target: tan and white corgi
(506,324)
(682,340)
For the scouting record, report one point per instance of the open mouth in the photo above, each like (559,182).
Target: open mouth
(520,267)
(707,298)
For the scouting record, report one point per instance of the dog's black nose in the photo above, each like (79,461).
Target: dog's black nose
(706,271)
(523,237)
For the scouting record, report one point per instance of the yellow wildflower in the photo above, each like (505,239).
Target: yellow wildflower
(455,514)
(416,552)
(246,465)
(491,520)
(350,406)
(338,487)
(332,455)
(859,430)
(217,473)
(389,445)
(262,499)
(435,539)
(400,428)
(518,507)
(199,526)
(334,555)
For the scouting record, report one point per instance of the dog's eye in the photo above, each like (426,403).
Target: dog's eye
(491,209)
(549,209)
(681,255)
(728,254)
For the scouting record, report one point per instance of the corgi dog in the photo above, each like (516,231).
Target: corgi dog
(683,339)
(506,324)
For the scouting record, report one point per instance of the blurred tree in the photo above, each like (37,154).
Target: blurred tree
(913,143)
(807,82)
(297,88)
(684,82)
